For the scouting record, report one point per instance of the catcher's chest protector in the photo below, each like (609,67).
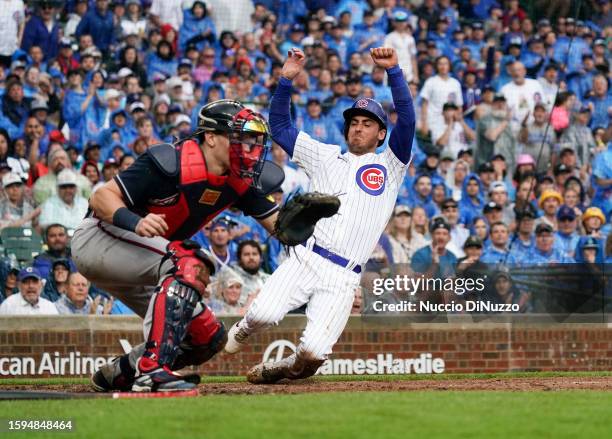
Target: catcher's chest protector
(201,196)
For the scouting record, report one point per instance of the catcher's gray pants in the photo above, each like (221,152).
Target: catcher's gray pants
(120,261)
(124,264)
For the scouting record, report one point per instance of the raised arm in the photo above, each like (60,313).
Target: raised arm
(283,131)
(402,135)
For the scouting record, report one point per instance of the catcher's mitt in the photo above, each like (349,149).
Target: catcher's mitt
(297,218)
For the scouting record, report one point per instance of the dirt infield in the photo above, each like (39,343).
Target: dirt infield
(313,385)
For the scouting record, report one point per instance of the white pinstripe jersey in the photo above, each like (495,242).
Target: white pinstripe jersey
(367,186)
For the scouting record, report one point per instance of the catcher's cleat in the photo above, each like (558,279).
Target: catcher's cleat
(162,379)
(110,377)
(236,339)
(267,373)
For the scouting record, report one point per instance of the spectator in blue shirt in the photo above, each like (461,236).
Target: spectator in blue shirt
(162,61)
(589,250)
(338,42)
(357,9)
(57,280)
(543,252)
(435,260)
(296,34)
(42,30)
(56,238)
(600,102)
(523,241)
(534,58)
(320,126)
(421,195)
(120,131)
(497,252)
(566,237)
(382,93)
(197,28)
(14,108)
(98,23)
(581,81)
(602,179)
(477,42)
(472,199)
(368,34)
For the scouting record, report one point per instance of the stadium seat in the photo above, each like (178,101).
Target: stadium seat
(22,242)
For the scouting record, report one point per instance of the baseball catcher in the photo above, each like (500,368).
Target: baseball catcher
(134,240)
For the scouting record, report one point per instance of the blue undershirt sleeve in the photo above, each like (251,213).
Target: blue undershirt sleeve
(402,135)
(283,131)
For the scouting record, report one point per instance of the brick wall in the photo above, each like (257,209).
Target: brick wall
(464,347)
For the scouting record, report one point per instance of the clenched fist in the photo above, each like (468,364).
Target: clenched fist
(293,64)
(384,57)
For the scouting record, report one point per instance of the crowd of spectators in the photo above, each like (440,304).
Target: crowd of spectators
(512,160)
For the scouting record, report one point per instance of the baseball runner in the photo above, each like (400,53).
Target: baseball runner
(325,271)
(134,239)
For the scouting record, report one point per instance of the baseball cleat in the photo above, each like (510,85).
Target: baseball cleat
(236,339)
(109,377)
(266,373)
(161,379)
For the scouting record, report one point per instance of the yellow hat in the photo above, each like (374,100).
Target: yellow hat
(549,193)
(593,212)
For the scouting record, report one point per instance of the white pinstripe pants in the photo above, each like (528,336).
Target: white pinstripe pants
(326,288)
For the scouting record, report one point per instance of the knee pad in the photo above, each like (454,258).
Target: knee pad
(189,264)
(203,327)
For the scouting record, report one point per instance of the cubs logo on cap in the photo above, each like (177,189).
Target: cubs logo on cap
(372,178)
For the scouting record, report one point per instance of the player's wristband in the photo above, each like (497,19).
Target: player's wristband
(126,219)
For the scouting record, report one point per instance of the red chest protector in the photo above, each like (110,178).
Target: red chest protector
(200,196)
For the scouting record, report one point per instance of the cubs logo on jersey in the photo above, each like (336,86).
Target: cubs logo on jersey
(372,178)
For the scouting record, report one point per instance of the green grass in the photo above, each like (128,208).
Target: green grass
(372,415)
(237,379)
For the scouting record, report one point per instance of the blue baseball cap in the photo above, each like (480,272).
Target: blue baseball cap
(566,212)
(185,62)
(29,272)
(591,242)
(220,222)
(365,107)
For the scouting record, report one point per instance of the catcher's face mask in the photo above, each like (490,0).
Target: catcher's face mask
(249,142)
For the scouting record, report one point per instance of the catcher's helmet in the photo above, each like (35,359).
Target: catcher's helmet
(218,115)
(248,132)
(365,107)
(232,117)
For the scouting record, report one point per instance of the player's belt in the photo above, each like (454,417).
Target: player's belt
(336,259)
